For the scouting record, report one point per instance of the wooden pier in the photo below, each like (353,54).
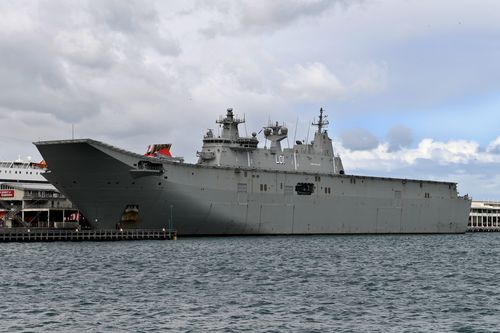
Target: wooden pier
(76,235)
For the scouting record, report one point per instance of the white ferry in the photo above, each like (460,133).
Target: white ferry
(22,172)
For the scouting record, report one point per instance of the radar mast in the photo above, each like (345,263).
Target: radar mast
(230,125)
(322,121)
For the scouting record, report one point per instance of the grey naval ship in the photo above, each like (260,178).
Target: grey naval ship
(238,188)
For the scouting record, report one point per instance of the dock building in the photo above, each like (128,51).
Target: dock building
(27,199)
(484,216)
(35,205)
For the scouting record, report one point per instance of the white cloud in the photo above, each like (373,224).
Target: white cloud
(451,152)
(258,16)
(457,152)
(494,146)
(315,82)
(312,82)
(265,15)
(475,169)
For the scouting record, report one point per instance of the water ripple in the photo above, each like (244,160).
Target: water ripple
(447,283)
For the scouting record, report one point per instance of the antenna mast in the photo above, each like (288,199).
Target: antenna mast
(244,122)
(295,133)
(322,121)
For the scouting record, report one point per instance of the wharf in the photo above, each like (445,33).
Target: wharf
(483,229)
(76,235)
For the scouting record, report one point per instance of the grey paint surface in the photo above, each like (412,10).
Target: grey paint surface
(236,190)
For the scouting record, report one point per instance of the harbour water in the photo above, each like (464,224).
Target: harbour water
(384,283)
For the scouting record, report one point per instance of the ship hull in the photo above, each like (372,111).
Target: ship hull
(105,182)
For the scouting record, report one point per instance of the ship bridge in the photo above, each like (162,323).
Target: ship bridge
(230,150)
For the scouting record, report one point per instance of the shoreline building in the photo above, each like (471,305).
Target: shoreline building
(484,216)
(27,199)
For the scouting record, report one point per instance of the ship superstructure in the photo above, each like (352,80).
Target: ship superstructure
(237,188)
(19,171)
(231,150)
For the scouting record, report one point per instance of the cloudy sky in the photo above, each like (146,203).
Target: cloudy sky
(411,87)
